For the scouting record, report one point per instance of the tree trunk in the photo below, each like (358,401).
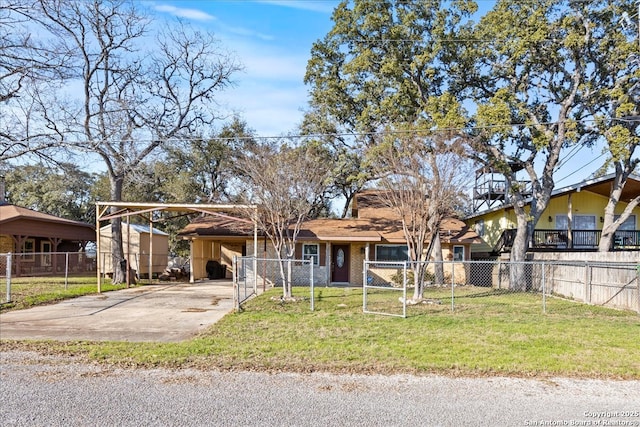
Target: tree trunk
(118,260)
(418,280)
(437,257)
(517,276)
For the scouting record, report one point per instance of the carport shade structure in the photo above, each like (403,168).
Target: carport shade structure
(106,211)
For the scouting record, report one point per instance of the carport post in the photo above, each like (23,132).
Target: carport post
(191,276)
(98,263)
(150,247)
(8,272)
(255,256)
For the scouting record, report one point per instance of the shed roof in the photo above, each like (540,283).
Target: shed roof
(139,228)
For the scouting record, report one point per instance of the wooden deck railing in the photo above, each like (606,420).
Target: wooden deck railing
(576,240)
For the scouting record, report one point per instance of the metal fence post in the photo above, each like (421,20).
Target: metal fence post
(9,258)
(236,288)
(638,280)
(404,290)
(365,275)
(544,292)
(452,286)
(311,284)
(66,271)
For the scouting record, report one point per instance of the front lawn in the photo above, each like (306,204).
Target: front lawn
(488,334)
(30,291)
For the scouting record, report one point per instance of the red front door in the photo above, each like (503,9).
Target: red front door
(340,263)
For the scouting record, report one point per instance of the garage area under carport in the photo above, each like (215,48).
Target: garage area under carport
(107,211)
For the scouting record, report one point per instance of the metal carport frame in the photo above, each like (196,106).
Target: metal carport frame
(127,209)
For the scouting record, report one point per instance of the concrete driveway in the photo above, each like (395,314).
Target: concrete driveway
(164,313)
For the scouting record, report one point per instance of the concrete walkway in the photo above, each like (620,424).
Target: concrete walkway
(164,313)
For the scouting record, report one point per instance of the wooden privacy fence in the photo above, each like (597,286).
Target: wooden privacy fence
(607,284)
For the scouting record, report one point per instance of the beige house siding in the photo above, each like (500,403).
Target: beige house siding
(6,244)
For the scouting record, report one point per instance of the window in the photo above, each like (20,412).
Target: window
(311,251)
(626,234)
(480,227)
(580,222)
(392,253)
(45,248)
(28,249)
(629,224)
(458,253)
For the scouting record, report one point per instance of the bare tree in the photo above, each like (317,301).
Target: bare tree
(28,68)
(424,179)
(287,183)
(128,100)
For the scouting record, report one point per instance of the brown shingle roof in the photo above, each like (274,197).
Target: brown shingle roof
(331,229)
(10,213)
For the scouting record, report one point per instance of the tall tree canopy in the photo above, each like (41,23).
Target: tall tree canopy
(130,92)
(536,76)
(379,71)
(534,71)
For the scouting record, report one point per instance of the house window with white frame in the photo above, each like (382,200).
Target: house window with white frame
(311,251)
(458,253)
(392,253)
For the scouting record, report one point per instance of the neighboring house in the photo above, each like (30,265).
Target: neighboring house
(338,247)
(572,220)
(137,249)
(37,236)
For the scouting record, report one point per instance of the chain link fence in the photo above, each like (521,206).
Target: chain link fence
(255,275)
(21,273)
(460,285)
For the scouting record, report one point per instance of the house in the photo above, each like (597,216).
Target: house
(572,220)
(138,245)
(337,247)
(38,236)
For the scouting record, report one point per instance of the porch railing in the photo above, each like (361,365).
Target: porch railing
(563,240)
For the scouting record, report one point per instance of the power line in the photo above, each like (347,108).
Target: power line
(581,167)
(463,129)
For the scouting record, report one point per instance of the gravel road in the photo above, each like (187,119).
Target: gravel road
(51,391)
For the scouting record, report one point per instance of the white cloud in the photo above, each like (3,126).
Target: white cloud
(246,32)
(311,5)
(194,14)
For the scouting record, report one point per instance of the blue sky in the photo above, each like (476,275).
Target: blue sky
(273,40)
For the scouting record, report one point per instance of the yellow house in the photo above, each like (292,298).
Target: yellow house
(572,220)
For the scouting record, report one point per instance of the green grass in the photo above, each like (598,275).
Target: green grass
(30,291)
(489,333)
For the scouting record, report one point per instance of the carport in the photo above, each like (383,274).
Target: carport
(107,211)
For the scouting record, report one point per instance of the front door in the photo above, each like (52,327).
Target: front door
(340,263)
